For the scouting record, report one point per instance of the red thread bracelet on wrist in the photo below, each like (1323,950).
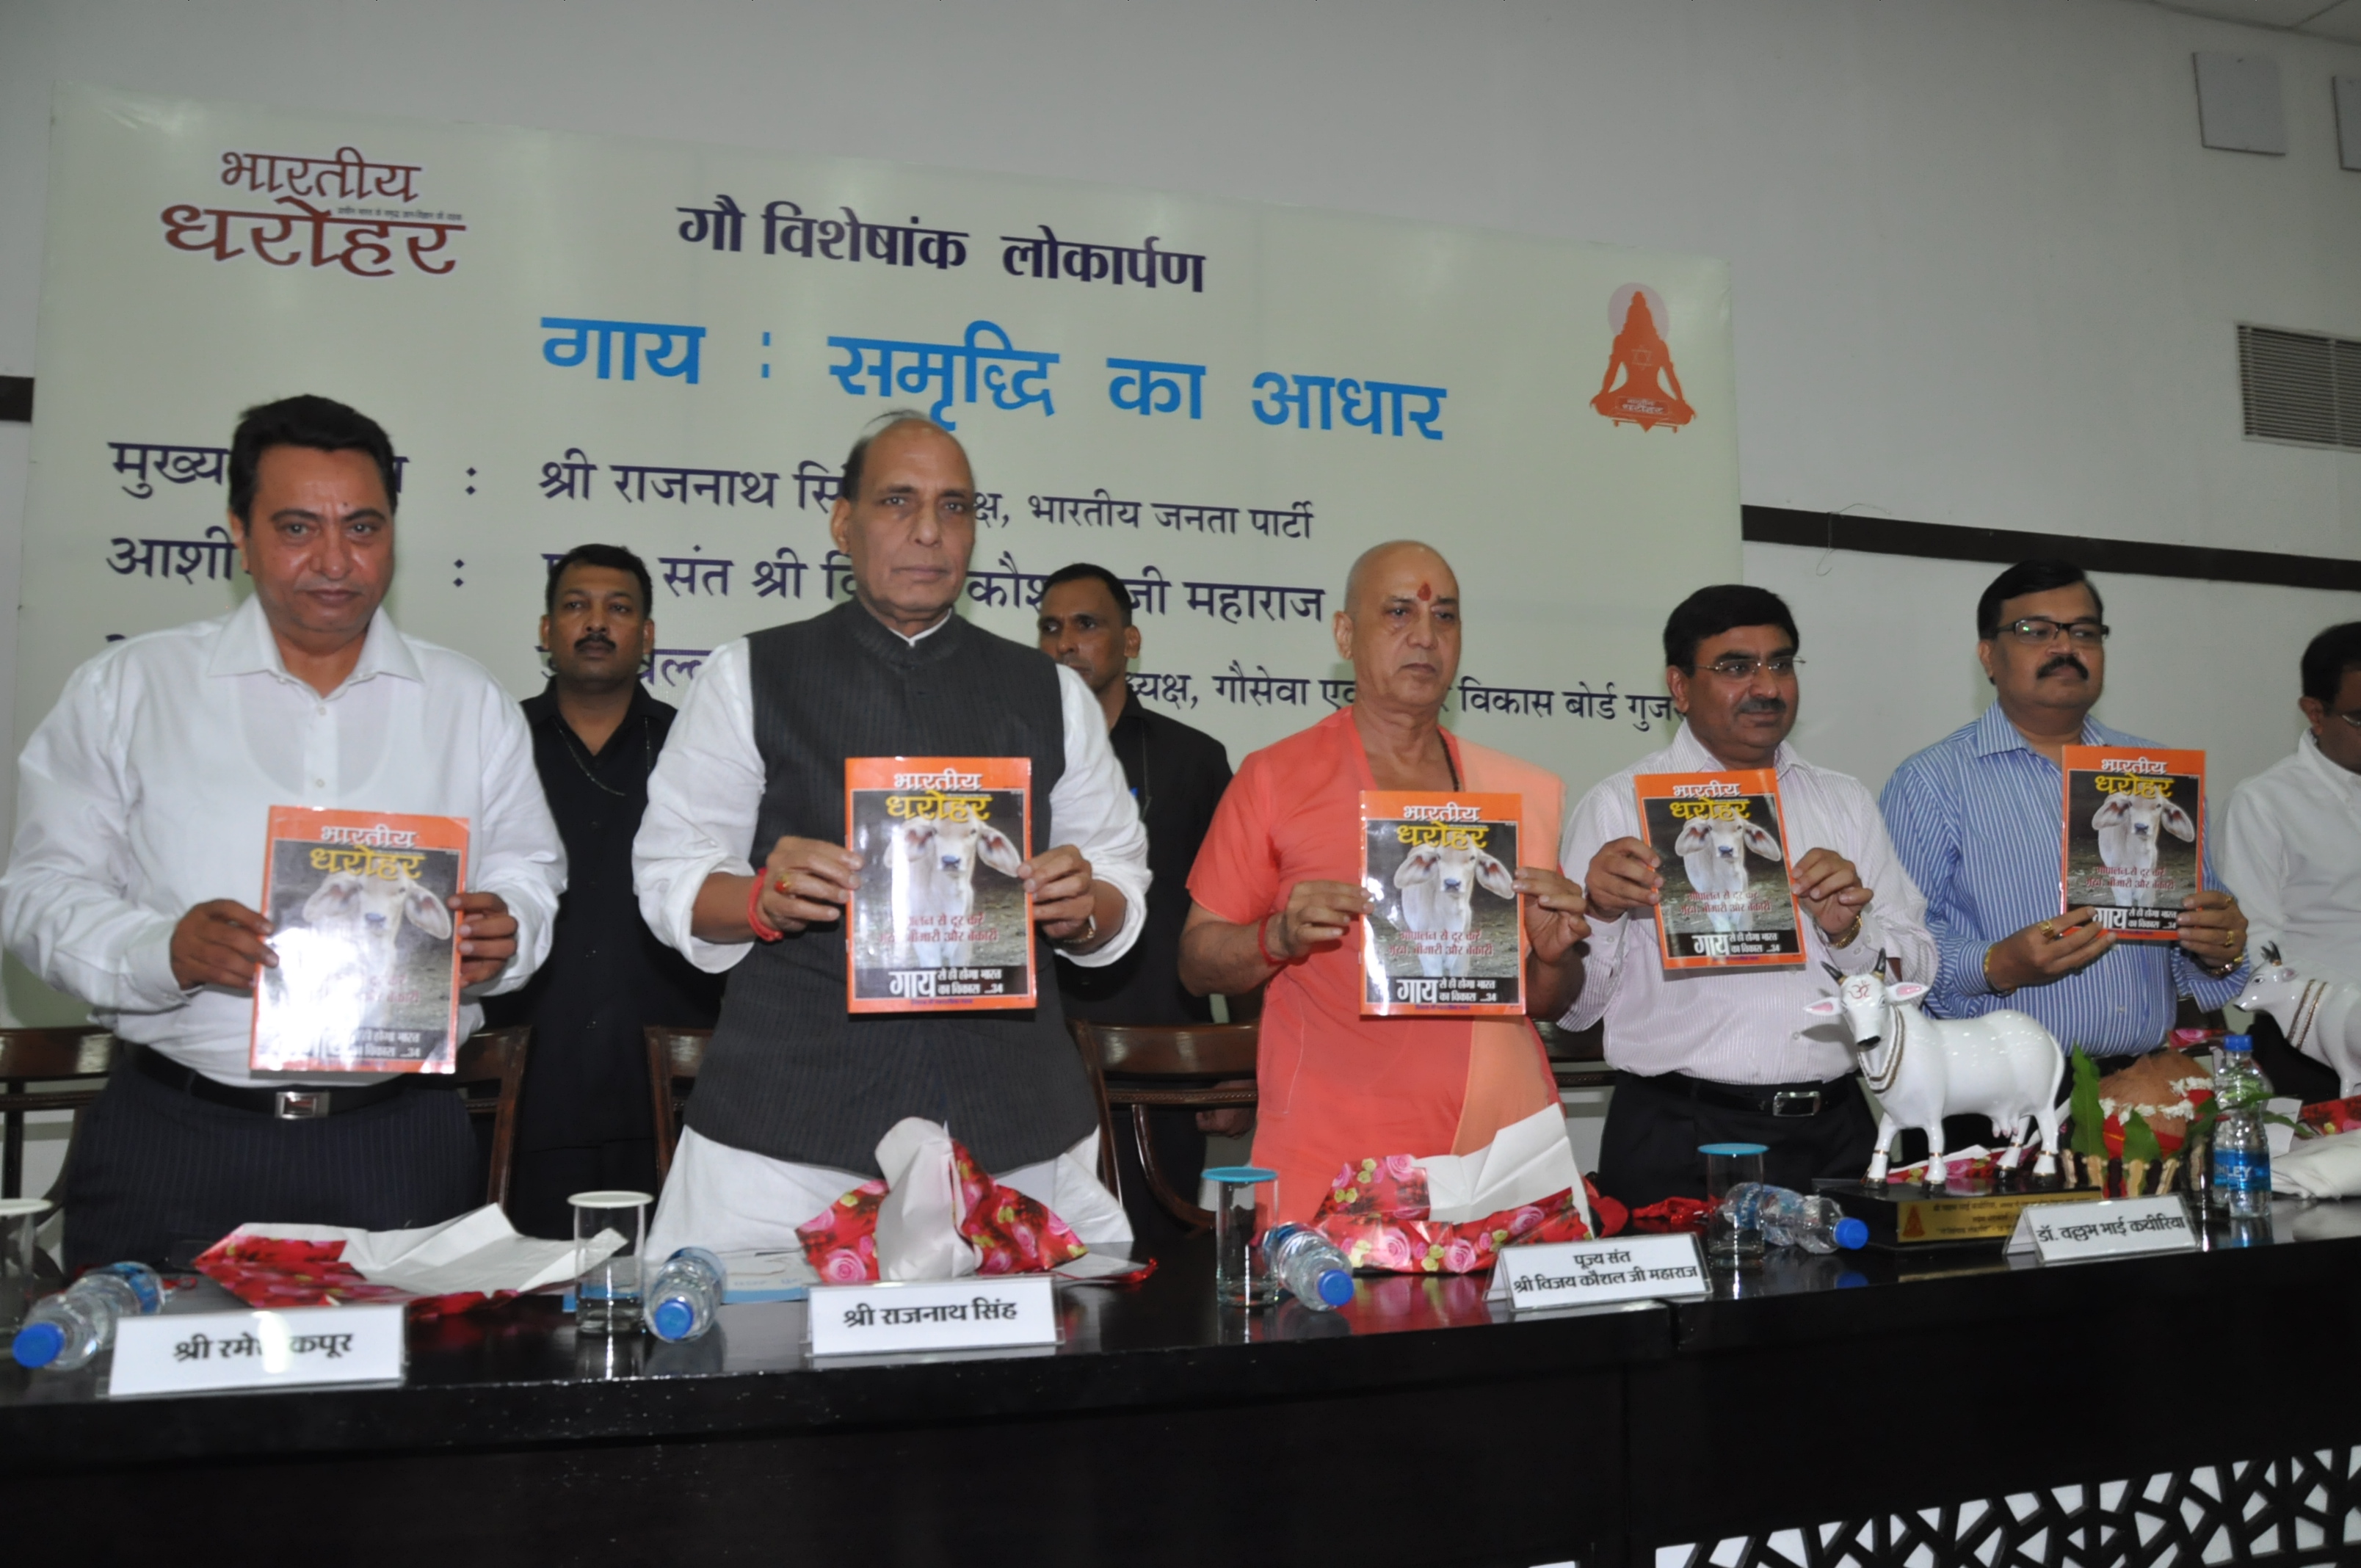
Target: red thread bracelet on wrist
(1260,926)
(763,931)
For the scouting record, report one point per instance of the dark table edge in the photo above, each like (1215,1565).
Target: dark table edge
(525,1413)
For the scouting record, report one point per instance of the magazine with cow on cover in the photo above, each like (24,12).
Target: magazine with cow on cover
(1721,848)
(367,978)
(2134,836)
(941,921)
(1445,931)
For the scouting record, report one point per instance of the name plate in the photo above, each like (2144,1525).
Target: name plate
(2120,1227)
(1595,1273)
(190,1353)
(980,1313)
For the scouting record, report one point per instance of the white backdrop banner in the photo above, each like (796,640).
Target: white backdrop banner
(669,346)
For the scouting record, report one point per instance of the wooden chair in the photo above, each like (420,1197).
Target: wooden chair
(1145,1067)
(495,1057)
(673,1057)
(44,1056)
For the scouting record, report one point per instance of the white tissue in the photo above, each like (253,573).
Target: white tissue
(1525,1162)
(480,1251)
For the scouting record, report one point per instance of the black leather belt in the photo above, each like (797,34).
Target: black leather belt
(302,1104)
(1763,1099)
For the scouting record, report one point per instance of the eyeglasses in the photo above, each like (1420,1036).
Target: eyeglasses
(1739,667)
(2352,719)
(2036,630)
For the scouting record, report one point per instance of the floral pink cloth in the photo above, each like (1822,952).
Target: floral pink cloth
(1015,1234)
(1376,1212)
(277,1271)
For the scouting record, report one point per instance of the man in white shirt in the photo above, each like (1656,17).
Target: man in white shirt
(2291,850)
(142,803)
(741,863)
(1727,1056)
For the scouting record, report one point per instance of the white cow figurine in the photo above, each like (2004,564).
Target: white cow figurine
(934,883)
(1713,851)
(2002,1064)
(2318,1017)
(1438,886)
(2129,828)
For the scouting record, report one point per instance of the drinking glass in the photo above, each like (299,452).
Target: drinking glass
(18,1218)
(1241,1278)
(1728,1166)
(606,1293)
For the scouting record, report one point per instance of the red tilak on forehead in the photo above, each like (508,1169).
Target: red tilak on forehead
(1425,592)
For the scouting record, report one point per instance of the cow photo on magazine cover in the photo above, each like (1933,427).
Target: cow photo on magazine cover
(1443,932)
(1720,847)
(361,923)
(942,919)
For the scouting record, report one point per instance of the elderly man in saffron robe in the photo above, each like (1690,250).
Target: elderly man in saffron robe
(1278,896)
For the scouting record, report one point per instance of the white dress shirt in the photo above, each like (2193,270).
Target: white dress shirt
(706,790)
(2291,851)
(147,790)
(1740,1025)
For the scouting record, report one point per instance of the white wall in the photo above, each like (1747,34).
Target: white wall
(1889,664)
(1983,272)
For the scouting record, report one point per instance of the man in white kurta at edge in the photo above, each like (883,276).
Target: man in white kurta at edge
(741,864)
(1711,1056)
(2291,849)
(135,879)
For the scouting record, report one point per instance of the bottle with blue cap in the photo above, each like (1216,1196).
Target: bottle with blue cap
(684,1294)
(65,1331)
(2242,1148)
(1309,1265)
(1789,1219)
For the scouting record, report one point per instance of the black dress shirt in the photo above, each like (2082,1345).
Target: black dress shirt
(608,976)
(1177,774)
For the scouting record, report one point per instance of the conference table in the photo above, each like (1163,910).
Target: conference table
(1949,1407)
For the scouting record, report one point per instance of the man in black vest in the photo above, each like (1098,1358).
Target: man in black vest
(1177,773)
(585,1122)
(741,864)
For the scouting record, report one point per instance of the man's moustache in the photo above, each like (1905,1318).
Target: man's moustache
(2063,661)
(1763,705)
(584,644)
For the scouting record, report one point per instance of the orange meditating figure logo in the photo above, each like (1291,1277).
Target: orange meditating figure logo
(1650,394)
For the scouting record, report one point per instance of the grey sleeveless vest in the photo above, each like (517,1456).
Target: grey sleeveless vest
(790,1073)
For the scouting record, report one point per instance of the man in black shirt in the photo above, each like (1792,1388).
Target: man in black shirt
(585,1122)
(1177,774)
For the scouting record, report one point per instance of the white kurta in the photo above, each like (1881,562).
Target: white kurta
(703,800)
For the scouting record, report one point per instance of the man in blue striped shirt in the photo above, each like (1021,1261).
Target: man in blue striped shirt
(1977,818)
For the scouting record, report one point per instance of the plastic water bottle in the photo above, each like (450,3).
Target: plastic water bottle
(1789,1219)
(64,1331)
(684,1294)
(2242,1147)
(1310,1265)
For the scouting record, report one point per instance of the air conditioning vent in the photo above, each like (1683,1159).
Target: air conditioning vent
(2300,387)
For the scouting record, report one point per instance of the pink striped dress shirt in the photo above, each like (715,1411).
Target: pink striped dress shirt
(1740,1025)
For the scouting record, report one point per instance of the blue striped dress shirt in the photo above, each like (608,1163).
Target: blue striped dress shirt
(1976,818)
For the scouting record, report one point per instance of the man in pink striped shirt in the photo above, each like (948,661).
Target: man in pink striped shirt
(1729,1055)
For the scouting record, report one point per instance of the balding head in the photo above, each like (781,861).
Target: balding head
(1399,627)
(892,421)
(1380,562)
